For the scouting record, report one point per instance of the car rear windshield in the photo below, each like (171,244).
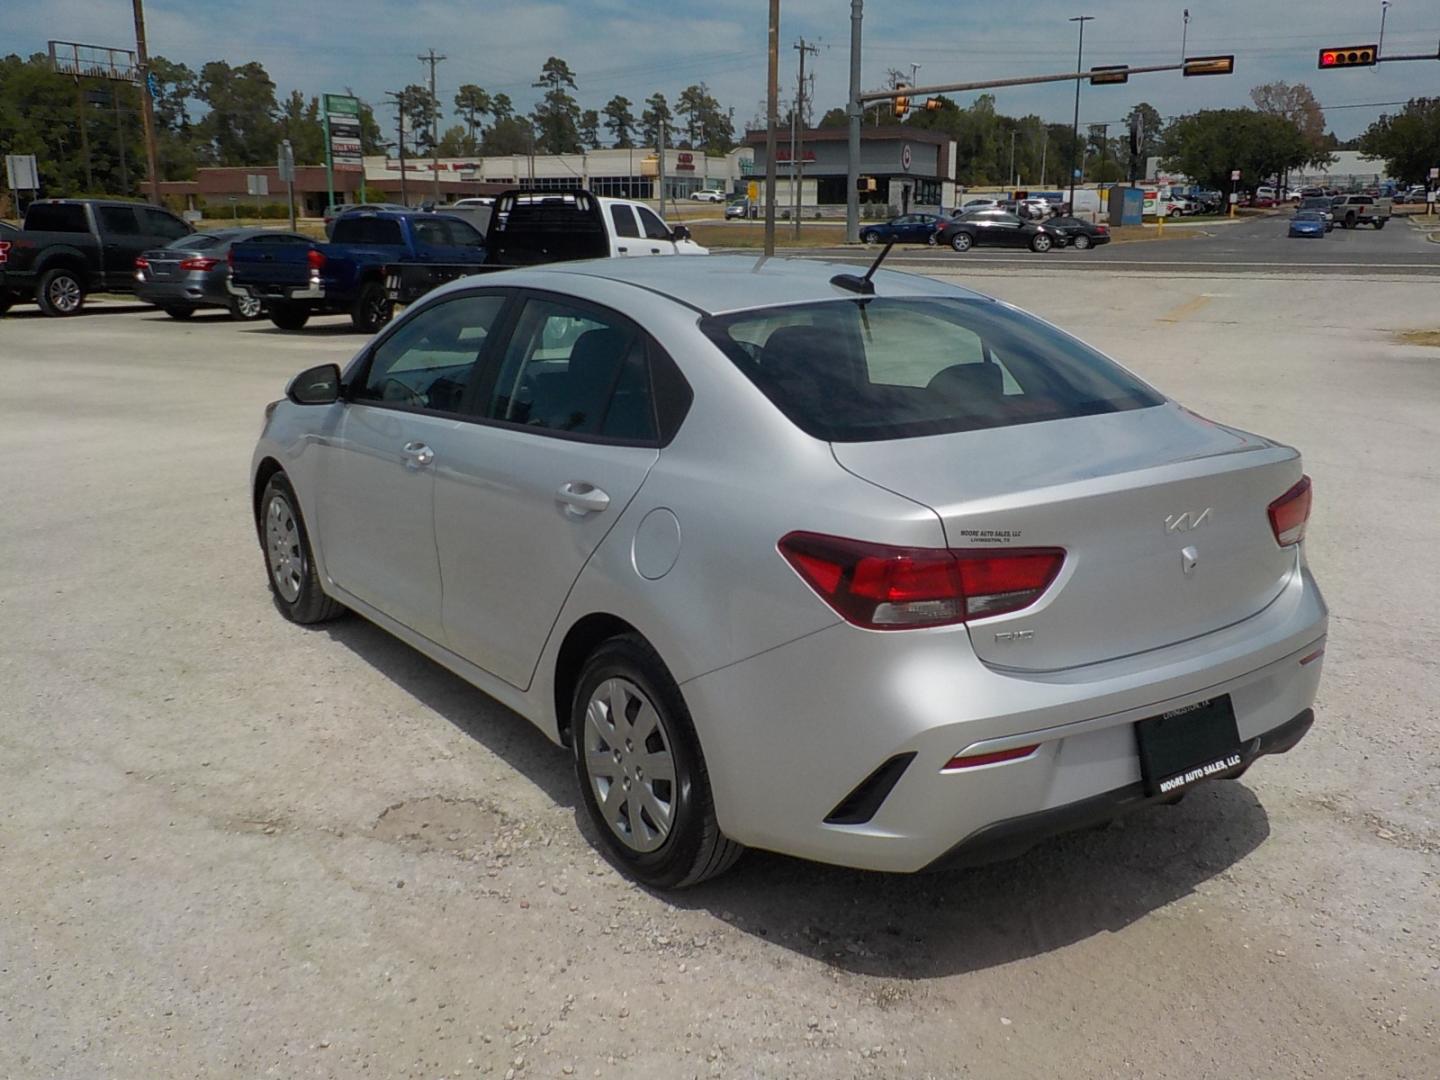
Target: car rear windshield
(865,370)
(198,242)
(56,217)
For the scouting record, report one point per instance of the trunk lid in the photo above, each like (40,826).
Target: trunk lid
(1162,515)
(165,263)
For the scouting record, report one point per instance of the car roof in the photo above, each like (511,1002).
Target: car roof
(717,284)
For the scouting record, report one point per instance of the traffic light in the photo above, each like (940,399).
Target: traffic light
(1209,65)
(1113,73)
(902,101)
(1349,56)
(932,104)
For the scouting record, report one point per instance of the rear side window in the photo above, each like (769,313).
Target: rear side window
(575,370)
(56,217)
(624,219)
(856,371)
(361,229)
(119,221)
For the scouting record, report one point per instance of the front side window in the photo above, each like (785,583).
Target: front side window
(159,223)
(853,371)
(430,359)
(575,370)
(654,228)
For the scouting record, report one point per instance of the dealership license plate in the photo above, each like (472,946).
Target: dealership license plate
(1186,745)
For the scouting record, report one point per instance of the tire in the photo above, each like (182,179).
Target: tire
(6,300)
(1174,213)
(178,312)
(869,239)
(1349,221)
(1081,242)
(962,241)
(1379,223)
(246,308)
(1041,243)
(60,293)
(289,316)
(688,846)
(289,558)
(372,308)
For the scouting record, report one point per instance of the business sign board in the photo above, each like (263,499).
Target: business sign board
(342,131)
(21,173)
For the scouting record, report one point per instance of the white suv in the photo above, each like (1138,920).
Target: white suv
(708,195)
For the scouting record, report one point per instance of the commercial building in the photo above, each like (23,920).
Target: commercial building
(900,168)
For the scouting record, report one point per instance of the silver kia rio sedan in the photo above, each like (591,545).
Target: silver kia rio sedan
(881,573)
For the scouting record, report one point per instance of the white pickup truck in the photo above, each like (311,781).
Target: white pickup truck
(1352,210)
(527,228)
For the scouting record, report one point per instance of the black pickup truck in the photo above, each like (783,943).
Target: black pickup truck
(69,248)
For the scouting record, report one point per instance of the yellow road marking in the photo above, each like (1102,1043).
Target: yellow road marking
(1185,310)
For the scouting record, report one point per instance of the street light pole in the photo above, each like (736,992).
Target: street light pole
(147,108)
(1075,124)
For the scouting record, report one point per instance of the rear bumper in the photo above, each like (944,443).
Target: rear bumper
(183,291)
(313,291)
(790,734)
(1014,836)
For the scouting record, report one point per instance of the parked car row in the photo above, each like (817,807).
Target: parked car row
(984,224)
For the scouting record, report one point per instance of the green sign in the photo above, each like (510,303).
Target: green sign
(342,104)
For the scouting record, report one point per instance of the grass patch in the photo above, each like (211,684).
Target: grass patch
(748,235)
(1419,337)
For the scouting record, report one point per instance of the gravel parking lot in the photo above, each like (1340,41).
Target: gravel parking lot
(232,846)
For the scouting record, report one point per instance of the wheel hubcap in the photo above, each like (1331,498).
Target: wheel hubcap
(65,294)
(628,761)
(249,307)
(283,549)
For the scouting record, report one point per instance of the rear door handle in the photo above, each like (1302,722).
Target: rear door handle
(580,498)
(417,455)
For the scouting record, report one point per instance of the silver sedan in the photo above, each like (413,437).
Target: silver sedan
(887,574)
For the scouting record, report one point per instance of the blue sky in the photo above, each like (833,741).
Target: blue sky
(635,49)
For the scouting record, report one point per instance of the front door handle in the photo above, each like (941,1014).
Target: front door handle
(580,498)
(622,250)
(417,455)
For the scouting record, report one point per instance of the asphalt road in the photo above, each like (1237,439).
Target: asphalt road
(230,846)
(1251,246)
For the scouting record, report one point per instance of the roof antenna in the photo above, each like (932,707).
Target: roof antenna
(862,285)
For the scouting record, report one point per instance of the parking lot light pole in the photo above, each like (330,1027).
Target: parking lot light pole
(772,108)
(1075,125)
(856,113)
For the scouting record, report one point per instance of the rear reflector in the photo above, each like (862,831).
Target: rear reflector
(4,252)
(972,761)
(1312,657)
(881,587)
(1290,512)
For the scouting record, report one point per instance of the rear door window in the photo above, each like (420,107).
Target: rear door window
(624,220)
(851,371)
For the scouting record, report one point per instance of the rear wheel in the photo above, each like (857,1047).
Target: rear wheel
(1349,222)
(6,299)
(1379,223)
(641,774)
(1041,242)
(60,293)
(246,308)
(1081,242)
(962,241)
(372,308)
(289,559)
(289,316)
(1174,211)
(176,311)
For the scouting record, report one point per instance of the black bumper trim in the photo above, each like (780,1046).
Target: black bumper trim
(1006,839)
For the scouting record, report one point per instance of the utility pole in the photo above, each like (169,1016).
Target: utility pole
(852,182)
(1013,179)
(799,151)
(147,109)
(772,95)
(1075,126)
(660,134)
(120,134)
(432,60)
(84,135)
(399,98)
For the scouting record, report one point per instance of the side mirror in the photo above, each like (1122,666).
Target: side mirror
(317,386)
(679,232)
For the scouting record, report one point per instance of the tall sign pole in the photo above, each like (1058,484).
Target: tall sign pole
(772,107)
(855,110)
(147,107)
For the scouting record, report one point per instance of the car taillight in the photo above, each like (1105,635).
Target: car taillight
(1102,228)
(1290,512)
(198,264)
(881,587)
(315,258)
(142,263)
(4,252)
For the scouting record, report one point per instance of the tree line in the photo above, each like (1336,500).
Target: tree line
(87,138)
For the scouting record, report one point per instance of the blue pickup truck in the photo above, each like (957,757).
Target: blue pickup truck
(347,275)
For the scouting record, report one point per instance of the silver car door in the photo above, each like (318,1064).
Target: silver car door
(566,437)
(401,424)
